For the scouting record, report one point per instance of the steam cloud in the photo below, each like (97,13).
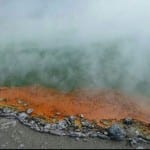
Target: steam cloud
(70,44)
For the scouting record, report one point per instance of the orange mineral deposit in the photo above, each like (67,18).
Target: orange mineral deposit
(93,104)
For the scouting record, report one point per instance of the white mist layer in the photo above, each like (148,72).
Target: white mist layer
(76,43)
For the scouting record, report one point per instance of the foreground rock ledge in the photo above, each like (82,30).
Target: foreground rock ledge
(79,127)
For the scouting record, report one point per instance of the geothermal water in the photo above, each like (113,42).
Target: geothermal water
(68,45)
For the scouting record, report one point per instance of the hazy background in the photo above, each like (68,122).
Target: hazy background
(68,44)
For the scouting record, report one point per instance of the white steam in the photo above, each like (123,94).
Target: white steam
(76,43)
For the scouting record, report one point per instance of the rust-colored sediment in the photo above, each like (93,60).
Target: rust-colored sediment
(93,104)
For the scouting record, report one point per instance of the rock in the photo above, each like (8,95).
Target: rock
(77,134)
(62,125)
(140,147)
(81,116)
(58,132)
(58,113)
(54,126)
(21,146)
(68,121)
(137,133)
(47,127)
(29,111)
(20,101)
(133,141)
(85,140)
(128,121)
(6,110)
(116,132)
(102,136)
(22,116)
(86,124)
(93,134)
(25,104)
(72,119)
(105,133)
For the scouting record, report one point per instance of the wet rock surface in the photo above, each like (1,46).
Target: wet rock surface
(116,132)
(76,127)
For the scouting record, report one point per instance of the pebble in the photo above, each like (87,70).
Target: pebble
(47,127)
(62,124)
(25,104)
(58,113)
(85,140)
(116,132)
(102,136)
(22,116)
(105,133)
(58,132)
(133,142)
(71,119)
(77,134)
(21,146)
(19,101)
(86,124)
(137,132)
(81,115)
(6,110)
(140,147)
(29,111)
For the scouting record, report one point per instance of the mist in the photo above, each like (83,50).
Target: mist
(69,44)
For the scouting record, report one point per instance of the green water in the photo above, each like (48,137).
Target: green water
(68,68)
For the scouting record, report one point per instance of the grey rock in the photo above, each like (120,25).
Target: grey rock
(21,146)
(86,124)
(22,116)
(93,135)
(116,132)
(140,147)
(54,127)
(102,136)
(137,133)
(133,141)
(32,122)
(72,119)
(105,133)
(62,124)
(68,121)
(77,130)
(29,111)
(47,127)
(7,110)
(58,132)
(77,134)
(85,140)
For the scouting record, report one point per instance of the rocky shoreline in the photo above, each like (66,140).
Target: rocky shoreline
(79,127)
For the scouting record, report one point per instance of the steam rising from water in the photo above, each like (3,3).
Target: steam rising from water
(69,44)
